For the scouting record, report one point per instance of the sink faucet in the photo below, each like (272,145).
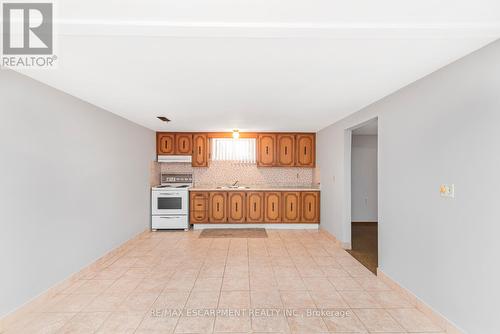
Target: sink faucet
(235,183)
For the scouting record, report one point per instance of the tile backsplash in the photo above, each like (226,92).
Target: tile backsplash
(226,172)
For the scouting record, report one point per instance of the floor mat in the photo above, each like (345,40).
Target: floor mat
(234,233)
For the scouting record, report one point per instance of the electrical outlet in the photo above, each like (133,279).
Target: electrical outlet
(447,190)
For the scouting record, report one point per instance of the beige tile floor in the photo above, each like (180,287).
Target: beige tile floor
(163,279)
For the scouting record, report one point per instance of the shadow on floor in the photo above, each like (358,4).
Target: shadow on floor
(364,238)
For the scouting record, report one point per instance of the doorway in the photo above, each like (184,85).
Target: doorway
(364,194)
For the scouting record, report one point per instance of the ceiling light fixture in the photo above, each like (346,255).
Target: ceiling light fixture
(236,134)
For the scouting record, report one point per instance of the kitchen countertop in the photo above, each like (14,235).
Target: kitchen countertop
(258,187)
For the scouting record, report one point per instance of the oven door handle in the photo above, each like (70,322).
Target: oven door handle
(170,194)
(168,217)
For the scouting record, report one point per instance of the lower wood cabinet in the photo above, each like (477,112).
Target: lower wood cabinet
(310,207)
(236,207)
(291,207)
(217,207)
(272,207)
(198,207)
(253,207)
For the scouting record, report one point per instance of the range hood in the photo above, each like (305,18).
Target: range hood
(174,158)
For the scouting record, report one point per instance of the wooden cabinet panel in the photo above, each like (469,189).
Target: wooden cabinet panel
(266,149)
(306,147)
(184,143)
(198,207)
(236,207)
(200,151)
(291,207)
(217,207)
(310,207)
(165,143)
(255,207)
(272,207)
(285,149)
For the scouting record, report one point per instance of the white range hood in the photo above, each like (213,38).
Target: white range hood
(174,158)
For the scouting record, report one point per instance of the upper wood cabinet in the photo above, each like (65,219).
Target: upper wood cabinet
(310,207)
(236,207)
(291,207)
(165,143)
(200,150)
(183,143)
(285,149)
(272,207)
(306,147)
(217,207)
(255,207)
(266,149)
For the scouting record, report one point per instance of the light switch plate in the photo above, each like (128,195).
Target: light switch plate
(447,190)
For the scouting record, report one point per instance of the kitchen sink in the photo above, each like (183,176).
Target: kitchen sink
(233,187)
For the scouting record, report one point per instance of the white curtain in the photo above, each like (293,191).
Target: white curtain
(240,150)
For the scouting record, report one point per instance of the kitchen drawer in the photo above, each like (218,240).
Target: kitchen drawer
(170,222)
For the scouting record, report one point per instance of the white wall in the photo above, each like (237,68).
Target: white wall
(74,185)
(443,128)
(364,178)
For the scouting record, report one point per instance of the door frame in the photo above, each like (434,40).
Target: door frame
(348,179)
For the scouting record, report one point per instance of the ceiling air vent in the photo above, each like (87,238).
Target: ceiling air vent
(163,118)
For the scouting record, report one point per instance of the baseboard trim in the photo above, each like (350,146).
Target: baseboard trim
(100,263)
(270,226)
(441,320)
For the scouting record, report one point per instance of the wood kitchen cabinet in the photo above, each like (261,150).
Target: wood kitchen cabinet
(198,207)
(272,207)
(165,143)
(217,207)
(236,207)
(310,206)
(306,147)
(291,207)
(183,143)
(266,149)
(200,150)
(285,149)
(255,207)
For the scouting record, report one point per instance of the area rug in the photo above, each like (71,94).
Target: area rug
(234,233)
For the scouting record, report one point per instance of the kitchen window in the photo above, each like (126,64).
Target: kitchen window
(242,150)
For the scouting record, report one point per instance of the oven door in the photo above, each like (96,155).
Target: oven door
(169,202)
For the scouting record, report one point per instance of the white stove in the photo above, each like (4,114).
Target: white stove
(170,202)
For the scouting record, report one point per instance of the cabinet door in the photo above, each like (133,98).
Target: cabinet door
(286,149)
(184,143)
(291,207)
(272,207)
(266,150)
(236,207)
(200,152)
(310,207)
(198,207)
(217,207)
(255,207)
(165,143)
(306,146)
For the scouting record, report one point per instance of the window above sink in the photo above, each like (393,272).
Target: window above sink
(242,150)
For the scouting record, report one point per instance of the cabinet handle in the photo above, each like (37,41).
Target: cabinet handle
(310,209)
(286,150)
(254,206)
(305,150)
(199,150)
(183,144)
(217,206)
(272,206)
(267,149)
(236,206)
(291,206)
